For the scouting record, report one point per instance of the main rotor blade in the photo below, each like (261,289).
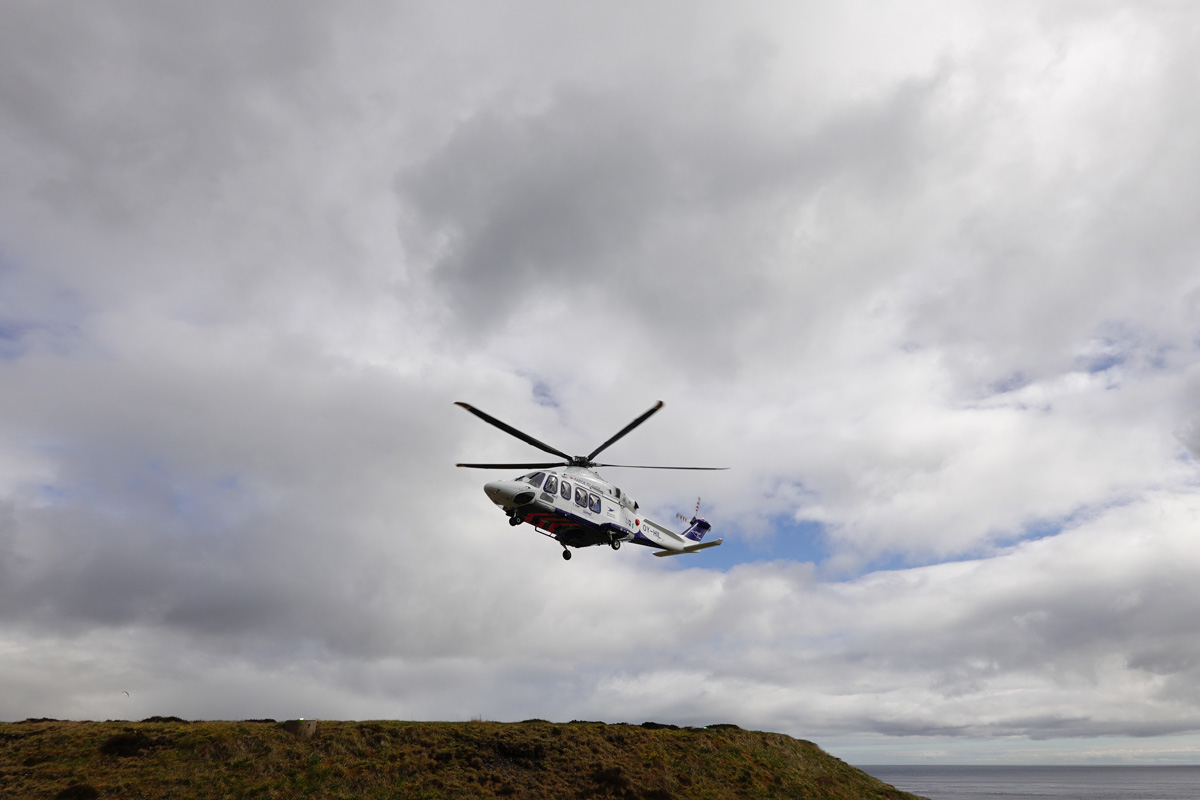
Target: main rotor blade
(643,466)
(625,430)
(512,466)
(509,429)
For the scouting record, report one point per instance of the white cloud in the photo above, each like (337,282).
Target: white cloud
(927,279)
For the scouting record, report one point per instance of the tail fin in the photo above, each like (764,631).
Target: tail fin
(697,529)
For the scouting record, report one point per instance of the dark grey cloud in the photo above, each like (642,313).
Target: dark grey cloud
(134,101)
(661,199)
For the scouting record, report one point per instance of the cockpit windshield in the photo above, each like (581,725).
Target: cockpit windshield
(534,479)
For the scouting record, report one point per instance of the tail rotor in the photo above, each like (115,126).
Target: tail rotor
(695,514)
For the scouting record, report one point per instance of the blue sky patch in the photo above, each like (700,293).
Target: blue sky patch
(10,339)
(1037,529)
(543,395)
(1103,361)
(1010,383)
(49,494)
(789,540)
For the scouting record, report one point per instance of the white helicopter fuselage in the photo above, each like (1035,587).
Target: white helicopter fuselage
(573,505)
(578,508)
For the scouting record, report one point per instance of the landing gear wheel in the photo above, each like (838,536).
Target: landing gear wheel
(616,544)
(566,554)
(514,520)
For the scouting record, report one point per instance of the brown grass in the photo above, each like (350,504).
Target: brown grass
(386,759)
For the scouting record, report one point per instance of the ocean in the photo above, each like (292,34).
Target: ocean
(1043,783)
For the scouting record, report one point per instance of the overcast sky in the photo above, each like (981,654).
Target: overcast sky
(926,275)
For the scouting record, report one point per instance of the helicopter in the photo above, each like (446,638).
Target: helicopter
(568,502)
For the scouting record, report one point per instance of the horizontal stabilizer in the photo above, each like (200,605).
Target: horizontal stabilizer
(693,549)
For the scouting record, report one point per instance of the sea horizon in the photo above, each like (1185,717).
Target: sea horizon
(1042,781)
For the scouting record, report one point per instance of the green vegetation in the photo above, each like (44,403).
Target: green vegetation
(535,759)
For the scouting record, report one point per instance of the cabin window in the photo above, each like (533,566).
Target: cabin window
(594,503)
(581,497)
(551,484)
(565,490)
(535,479)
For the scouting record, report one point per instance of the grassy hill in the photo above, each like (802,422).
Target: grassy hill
(535,759)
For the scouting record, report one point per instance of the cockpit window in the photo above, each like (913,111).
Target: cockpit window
(535,479)
(581,497)
(551,484)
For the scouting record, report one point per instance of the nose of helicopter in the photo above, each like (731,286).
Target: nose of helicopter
(509,494)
